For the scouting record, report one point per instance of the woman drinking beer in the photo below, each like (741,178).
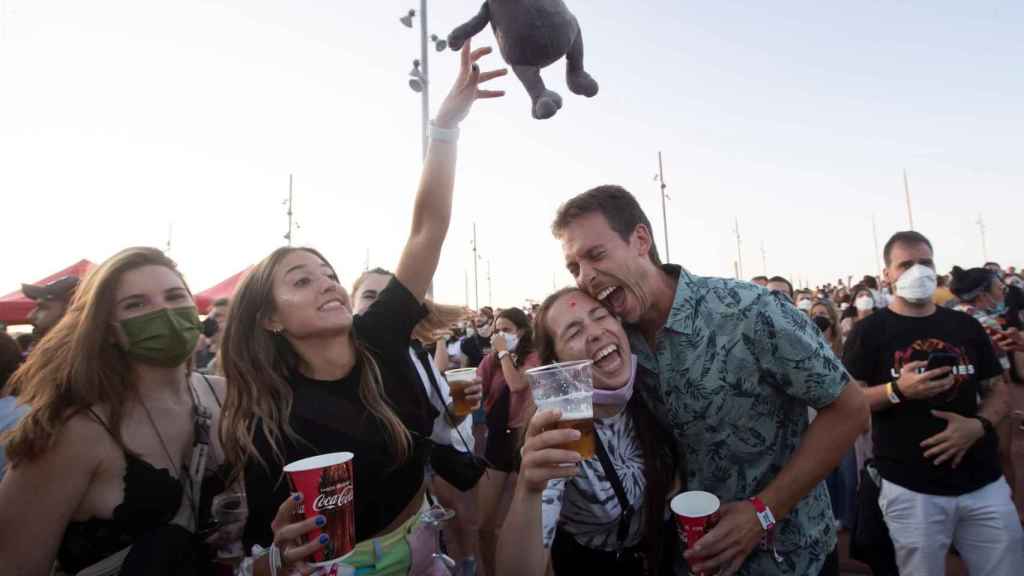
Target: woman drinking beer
(308,378)
(604,514)
(506,398)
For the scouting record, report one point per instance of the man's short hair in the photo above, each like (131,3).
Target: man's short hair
(759,279)
(905,237)
(618,207)
(783,280)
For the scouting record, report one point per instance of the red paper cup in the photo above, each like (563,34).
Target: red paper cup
(696,514)
(326,485)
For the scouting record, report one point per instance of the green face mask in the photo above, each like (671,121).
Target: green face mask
(164,337)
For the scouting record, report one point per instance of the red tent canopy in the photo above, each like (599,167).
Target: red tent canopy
(225,289)
(14,307)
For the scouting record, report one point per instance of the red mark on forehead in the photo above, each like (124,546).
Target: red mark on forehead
(572,303)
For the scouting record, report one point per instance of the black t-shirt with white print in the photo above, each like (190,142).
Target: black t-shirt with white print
(876,350)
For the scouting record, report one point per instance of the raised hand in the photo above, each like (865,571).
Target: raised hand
(467,89)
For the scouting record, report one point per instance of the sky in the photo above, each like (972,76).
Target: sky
(129,122)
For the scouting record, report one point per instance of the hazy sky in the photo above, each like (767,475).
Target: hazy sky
(120,117)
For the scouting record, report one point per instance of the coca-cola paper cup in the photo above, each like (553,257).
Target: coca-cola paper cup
(326,485)
(696,514)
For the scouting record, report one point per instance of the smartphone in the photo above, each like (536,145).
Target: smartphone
(942,360)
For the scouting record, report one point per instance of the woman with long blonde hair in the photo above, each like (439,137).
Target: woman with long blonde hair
(109,466)
(307,377)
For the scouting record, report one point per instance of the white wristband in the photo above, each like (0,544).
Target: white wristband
(443,134)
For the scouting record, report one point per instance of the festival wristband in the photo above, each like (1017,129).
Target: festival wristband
(897,392)
(443,134)
(502,355)
(890,391)
(767,520)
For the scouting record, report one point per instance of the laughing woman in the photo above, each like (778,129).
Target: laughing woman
(590,517)
(307,378)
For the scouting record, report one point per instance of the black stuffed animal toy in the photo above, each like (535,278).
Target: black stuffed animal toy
(532,34)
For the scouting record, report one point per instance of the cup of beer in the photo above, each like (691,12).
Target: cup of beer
(696,514)
(568,387)
(458,381)
(326,484)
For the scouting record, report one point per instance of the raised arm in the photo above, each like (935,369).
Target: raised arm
(432,208)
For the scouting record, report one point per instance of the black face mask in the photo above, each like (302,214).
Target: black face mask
(823,323)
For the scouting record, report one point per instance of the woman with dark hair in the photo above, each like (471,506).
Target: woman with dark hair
(309,378)
(449,429)
(984,296)
(111,470)
(506,400)
(570,514)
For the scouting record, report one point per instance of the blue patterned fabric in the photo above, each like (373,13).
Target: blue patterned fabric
(734,370)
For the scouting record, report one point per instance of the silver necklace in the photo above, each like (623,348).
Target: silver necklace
(187,483)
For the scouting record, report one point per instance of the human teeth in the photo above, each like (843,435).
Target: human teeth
(604,293)
(331,304)
(604,352)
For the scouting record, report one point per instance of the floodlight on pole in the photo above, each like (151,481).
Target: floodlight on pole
(407,19)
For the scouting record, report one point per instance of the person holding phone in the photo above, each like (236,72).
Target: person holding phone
(924,369)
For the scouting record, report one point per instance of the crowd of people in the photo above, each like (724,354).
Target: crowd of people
(881,407)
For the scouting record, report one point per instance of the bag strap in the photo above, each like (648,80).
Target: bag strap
(422,355)
(620,492)
(212,391)
(201,419)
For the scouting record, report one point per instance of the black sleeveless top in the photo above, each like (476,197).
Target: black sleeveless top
(152,497)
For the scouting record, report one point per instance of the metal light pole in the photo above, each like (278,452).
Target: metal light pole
(490,293)
(984,243)
(476,277)
(874,232)
(906,190)
(288,236)
(764,259)
(420,82)
(739,251)
(660,178)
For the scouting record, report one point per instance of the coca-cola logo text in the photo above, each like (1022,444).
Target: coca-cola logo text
(331,501)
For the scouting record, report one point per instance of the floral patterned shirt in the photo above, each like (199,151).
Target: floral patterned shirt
(734,371)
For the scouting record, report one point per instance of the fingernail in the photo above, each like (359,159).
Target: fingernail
(297,496)
(323,538)
(576,434)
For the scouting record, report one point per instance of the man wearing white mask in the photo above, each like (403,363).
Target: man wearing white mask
(924,369)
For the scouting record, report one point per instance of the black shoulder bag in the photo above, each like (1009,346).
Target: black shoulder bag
(460,469)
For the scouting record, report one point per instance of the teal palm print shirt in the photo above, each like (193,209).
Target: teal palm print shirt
(734,371)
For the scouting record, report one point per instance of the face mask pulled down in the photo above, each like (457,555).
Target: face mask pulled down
(621,396)
(165,337)
(917,285)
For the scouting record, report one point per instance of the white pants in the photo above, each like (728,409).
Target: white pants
(982,524)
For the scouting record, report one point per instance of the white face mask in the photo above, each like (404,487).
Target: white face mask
(805,304)
(485,331)
(864,303)
(917,285)
(512,341)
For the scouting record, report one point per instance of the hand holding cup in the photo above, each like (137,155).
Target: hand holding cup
(544,455)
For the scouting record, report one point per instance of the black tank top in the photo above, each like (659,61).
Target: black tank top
(152,497)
